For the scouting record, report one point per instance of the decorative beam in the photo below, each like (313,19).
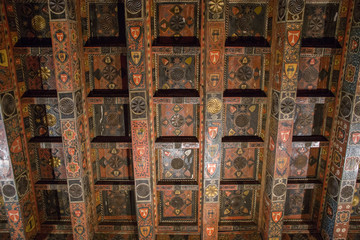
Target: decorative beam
(345,152)
(287,26)
(15,178)
(135,15)
(214,74)
(67,52)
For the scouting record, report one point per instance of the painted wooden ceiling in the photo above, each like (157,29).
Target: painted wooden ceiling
(188,119)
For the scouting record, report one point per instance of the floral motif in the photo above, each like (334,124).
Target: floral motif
(216,6)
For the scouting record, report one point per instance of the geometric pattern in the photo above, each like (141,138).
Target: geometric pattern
(243,72)
(240,163)
(177,164)
(177,206)
(114,164)
(177,120)
(242,120)
(237,205)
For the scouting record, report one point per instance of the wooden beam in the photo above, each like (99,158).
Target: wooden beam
(67,53)
(344,153)
(15,178)
(136,32)
(214,76)
(285,50)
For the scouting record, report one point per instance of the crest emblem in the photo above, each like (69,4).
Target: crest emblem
(135,32)
(16,145)
(355,137)
(344,216)
(214,56)
(136,57)
(215,33)
(140,134)
(60,36)
(293,37)
(210,231)
(30,224)
(214,79)
(64,77)
(145,231)
(3,58)
(62,56)
(281,163)
(211,168)
(213,132)
(144,212)
(213,149)
(276,216)
(285,135)
(290,69)
(14,215)
(137,78)
(77,213)
(271,144)
(140,150)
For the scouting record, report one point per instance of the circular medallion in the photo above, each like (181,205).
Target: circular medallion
(245,24)
(214,106)
(22,185)
(38,23)
(177,120)
(216,6)
(177,202)
(133,6)
(51,120)
(333,187)
(310,74)
(57,6)
(177,163)
(109,73)
(345,106)
(244,73)
(279,189)
(300,161)
(316,25)
(296,6)
(106,23)
(177,23)
(242,120)
(112,119)
(8,104)
(143,190)
(347,191)
(116,162)
(287,105)
(66,106)
(9,191)
(236,202)
(138,105)
(240,163)
(75,190)
(177,74)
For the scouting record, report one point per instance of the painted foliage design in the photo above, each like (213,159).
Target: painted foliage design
(314,72)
